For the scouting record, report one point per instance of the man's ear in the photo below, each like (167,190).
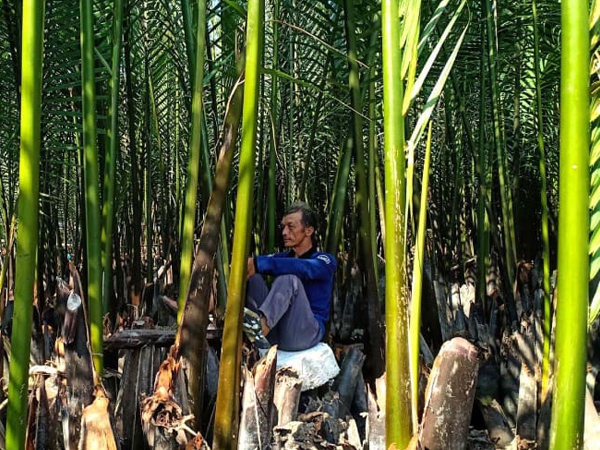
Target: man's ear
(310,230)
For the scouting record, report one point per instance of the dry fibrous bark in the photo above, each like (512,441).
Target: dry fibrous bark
(450,396)
(528,380)
(256,423)
(510,370)
(527,408)
(316,430)
(288,386)
(97,430)
(163,421)
(295,435)
(45,435)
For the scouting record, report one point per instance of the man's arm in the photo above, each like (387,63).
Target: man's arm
(321,267)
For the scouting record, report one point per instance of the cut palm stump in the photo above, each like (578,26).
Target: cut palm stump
(450,396)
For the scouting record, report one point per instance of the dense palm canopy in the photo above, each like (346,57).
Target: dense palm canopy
(485,75)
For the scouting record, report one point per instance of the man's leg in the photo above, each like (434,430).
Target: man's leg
(256,292)
(254,324)
(288,315)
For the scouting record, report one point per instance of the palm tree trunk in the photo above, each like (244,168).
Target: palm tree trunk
(375,342)
(505,192)
(29,183)
(398,404)
(193,172)
(227,417)
(134,170)
(271,212)
(92,196)
(544,204)
(566,430)
(111,156)
(192,330)
(338,202)
(417,283)
(483,169)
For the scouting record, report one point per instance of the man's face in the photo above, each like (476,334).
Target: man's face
(293,231)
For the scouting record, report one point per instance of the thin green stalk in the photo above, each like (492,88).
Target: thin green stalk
(484,200)
(93,223)
(544,202)
(417,285)
(566,429)
(193,169)
(338,201)
(111,156)
(373,173)
(380,196)
(271,188)
(227,406)
(374,344)
(372,143)
(398,393)
(190,44)
(505,197)
(28,216)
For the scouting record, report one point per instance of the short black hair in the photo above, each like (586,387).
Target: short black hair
(309,217)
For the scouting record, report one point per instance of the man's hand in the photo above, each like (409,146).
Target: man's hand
(251,268)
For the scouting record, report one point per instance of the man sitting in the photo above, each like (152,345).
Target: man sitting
(294,311)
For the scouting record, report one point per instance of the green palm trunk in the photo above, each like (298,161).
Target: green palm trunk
(566,431)
(544,204)
(366,261)
(193,171)
(483,169)
(500,146)
(111,155)
(417,285)
(398,393)
(227,417)
(338,201)
(27,243)
(92,188)
(271,213)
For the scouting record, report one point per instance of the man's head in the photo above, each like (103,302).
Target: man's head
(298,227)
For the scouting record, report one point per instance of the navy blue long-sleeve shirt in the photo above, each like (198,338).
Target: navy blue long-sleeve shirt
(314,268)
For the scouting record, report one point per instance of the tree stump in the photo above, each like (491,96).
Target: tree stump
(450,396)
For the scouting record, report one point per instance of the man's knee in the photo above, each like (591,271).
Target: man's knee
(286,281)
(256,290)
